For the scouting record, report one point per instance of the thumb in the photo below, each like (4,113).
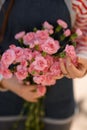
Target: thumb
(82,61)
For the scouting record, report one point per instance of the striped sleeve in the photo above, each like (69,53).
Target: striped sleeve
(80,8)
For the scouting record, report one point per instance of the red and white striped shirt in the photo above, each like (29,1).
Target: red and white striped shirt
(80,8)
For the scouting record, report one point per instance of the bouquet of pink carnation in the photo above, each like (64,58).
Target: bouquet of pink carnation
(36,60)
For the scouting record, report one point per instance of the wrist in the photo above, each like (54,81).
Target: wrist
(11,84)
(1,86)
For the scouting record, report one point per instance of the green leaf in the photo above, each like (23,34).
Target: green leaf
(62,37)
(33,72)
(62,54)
(35,29)
(32,59)
(74,44)
(58,28)
(44,53)
(73,36)
(37,47)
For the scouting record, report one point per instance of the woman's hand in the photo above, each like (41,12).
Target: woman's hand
(70,71)
(27,92)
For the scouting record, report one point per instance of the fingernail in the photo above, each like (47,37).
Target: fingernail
(69,64)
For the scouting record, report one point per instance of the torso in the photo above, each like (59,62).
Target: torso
(25,15)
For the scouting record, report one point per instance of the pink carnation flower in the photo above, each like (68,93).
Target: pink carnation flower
(39,79)
(42,34)
(45,80)
(21,73)
(70,51)
(32,70)
(40,63)
(79,32)
(36,53)
(55,69)
(62,23)
(67,33)
(7,73)
(50,46)
(41,90)
(48,27)
(24,63)
(28,54)
(12,47)
(19,35)
(8,57)
(19,52)
(29,38)
(50,80)
(49,60)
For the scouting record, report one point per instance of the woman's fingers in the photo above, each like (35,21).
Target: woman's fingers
(62,66)
(68,76)
(32,100)
(27,88)
(35,96)
(73,71)
(63,69)
(69,70)
(31,87)
(60,76)
(82,61)
(29,93)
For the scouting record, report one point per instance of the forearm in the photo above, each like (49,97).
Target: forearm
(27,92)
(11,85)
